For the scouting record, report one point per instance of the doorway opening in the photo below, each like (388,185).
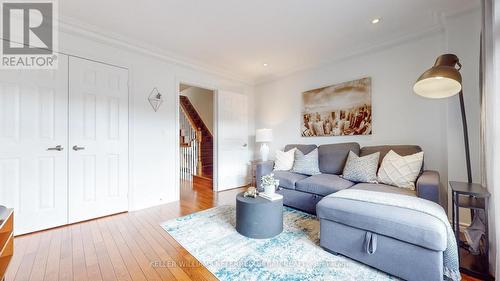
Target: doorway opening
(196,138)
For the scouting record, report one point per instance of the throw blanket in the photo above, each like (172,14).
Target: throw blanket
(450,255)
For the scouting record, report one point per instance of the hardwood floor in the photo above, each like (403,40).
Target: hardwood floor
(130,246)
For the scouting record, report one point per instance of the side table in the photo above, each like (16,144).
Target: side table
(258,218)
(253,164)
(6,239)
(475,197)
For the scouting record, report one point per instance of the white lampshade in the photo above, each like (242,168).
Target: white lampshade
(437,87)
(442,80)
(264,135)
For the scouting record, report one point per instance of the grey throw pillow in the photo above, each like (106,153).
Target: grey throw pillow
(306,164)
(361,169)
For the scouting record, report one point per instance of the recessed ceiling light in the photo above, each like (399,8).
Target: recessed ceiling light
(376,20)
(265,64)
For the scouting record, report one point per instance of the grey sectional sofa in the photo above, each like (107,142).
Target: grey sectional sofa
(403,242)
(304,192)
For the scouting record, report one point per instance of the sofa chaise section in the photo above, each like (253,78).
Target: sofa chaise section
(403,242)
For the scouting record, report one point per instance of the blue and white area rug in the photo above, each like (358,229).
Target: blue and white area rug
(210,236)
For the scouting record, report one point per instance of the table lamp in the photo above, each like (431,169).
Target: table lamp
(264,136)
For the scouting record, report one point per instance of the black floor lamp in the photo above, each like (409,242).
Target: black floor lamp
(443,80)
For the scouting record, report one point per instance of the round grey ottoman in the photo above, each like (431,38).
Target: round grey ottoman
(258,217)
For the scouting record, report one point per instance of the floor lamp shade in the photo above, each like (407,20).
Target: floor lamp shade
(442,80)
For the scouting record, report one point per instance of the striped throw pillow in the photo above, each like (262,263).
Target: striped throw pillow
(307,164)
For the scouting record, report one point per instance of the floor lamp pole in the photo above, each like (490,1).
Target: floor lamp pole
(466,136)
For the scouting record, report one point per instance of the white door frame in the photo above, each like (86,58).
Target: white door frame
(178,82)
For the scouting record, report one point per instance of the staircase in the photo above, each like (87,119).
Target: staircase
(206,138)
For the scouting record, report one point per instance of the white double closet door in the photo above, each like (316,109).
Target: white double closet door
(63,143)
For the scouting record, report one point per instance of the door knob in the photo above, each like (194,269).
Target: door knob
(57,147)
(245,145)
(76,148)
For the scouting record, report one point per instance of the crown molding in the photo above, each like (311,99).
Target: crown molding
(462,11)
(77,28)
(440,21)
(436,29)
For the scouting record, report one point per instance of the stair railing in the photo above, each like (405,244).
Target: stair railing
(199,139)
(190,146)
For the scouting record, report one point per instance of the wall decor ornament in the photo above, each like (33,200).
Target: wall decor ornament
(342,109)
(155,99)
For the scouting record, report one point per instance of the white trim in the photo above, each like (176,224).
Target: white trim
(78,28)
(177,174)
(439,27)
(374,48)
(215,171)
(462,11)
(131,143)
(71,26)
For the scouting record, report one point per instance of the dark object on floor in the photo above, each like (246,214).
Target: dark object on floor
(475,233)
(471,196)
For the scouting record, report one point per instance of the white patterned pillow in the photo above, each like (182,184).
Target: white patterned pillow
(306,164)
(284,160)
(400,171)
(361,169)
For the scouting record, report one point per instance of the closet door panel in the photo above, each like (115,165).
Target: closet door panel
(34,146)
(98,166)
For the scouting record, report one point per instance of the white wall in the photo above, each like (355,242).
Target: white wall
(203,102)
(463,39)
(399,116)
(492,126)
(153,137)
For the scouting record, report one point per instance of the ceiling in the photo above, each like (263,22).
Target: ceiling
(239,37)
